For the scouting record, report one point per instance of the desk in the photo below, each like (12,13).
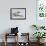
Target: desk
(18,43)
(8,34)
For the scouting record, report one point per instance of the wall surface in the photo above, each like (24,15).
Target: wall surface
(24,25)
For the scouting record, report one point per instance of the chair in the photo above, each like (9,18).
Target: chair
(25,37)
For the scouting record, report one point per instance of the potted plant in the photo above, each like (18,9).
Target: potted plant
(39,35)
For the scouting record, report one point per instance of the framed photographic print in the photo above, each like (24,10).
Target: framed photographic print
(17,13)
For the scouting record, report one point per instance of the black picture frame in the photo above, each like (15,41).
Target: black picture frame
(17,13)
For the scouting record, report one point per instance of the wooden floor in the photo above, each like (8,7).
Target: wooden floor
(13,44)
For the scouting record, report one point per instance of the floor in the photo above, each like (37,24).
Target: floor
(13,44)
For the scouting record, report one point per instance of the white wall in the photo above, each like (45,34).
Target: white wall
(24,25)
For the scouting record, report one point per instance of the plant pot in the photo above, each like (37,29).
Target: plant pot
(40,41)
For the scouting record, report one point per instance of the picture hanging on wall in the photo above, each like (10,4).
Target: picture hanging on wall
(17,13)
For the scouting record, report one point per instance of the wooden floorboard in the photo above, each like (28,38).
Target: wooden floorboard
(13,44)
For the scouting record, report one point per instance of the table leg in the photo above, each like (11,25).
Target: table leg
(5,40)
